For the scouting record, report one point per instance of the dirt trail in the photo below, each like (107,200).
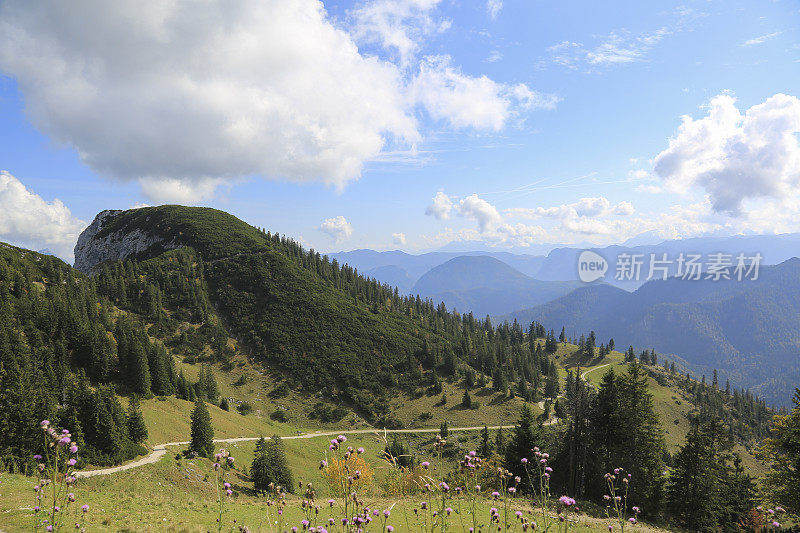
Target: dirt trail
(160,449)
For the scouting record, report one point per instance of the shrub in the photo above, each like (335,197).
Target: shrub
(244,408)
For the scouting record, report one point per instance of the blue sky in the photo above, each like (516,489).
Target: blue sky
(410,124)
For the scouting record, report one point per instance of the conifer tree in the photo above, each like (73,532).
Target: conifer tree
(137,429)
(485,448)
(466,400)
(527,434)
(202,433)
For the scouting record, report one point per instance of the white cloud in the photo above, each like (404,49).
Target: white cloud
(623,209)
(192,95)
(464,101)
(585,207)
(441,206)
(494,7)
(399,238)
(478,209)
(167,190)
(337,227)
(191,91)
(736,157)
(618,47)
(494,56)
(28,220)
(761,39)
(397,25)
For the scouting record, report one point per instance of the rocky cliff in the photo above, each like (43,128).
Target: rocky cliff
(91,249)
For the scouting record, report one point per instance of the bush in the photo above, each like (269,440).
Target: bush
(279,415)
(244,408)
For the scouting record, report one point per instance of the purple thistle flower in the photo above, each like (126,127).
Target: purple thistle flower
(85,508)
(389,529)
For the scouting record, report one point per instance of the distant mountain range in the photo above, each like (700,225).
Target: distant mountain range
(560,264)
(748,330)
(486,286)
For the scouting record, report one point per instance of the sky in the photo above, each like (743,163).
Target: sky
(404,124)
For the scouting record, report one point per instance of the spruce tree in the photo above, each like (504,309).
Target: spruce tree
(466,400)
(485,448)
(137,429)
(527,434)
(202,433)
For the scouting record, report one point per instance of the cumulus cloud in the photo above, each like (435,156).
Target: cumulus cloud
(736,157)
(478,209)
(337,227)
(585,207)
(494,7)
(166,190)
(192,93)
(28,220)
(476,102)
(399,238)
(441,206)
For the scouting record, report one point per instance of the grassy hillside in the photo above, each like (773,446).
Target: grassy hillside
(747,330)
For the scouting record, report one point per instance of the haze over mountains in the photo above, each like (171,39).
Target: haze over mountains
(748,330)
(560,263)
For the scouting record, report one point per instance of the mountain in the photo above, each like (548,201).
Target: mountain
(368,261)
(393,275)
(561,263)
(748,330)
(485,285)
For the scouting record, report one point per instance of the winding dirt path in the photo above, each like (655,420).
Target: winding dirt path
(159,450)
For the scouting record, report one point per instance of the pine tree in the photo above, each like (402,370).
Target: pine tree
(443,429)
(500,442)
(202,436)
(137,429)
(223,404)
(527,434)
(271,467)
(485,448)
(466,400)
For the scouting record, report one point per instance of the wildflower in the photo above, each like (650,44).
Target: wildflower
(360,450)
(512,490)
(425,464)
(632,520)
(85,508)
(323,464)
(71,462)
(37,457)
(635,509)
(423,505)
(548,469)
(444,486)
(44,423)
(566,501)
(341,438)
(478,488)
(775,524)
(331,502)
(386,513)
(226,485)
(389,529)
(449,510)
(71,497)
(524,460)
(495,495)
(519,514)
